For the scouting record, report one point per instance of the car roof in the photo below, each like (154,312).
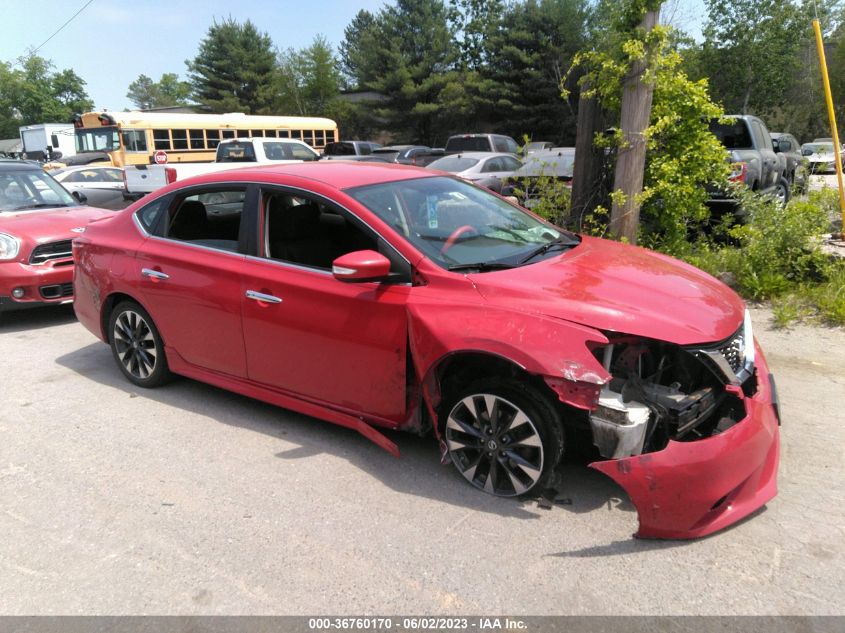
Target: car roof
(480,155)
(12,164)
(338,174)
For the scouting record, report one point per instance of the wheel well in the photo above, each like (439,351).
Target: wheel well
(465,367)
(108,305)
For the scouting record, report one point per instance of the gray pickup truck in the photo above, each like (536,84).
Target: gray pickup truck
(752,155)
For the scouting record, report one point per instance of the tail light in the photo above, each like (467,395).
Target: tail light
(170,175)
(738,172)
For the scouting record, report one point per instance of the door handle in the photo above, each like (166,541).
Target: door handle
(260,296)
(155,275)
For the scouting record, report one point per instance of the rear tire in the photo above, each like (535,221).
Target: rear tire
(504,436)
(782,191)
(137,346)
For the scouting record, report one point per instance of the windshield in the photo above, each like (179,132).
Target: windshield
(453,164)
(101,139)
(460,226)
(31,189)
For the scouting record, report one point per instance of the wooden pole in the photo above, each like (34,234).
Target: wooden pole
(630,163)
(587,166)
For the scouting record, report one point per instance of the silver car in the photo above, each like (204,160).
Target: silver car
(478,166)
(101,185)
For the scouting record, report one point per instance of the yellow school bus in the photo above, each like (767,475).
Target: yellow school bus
(133,138)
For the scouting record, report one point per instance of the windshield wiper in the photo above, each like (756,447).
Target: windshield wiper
(560,242)
(480,266)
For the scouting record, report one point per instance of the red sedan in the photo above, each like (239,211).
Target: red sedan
(382,296)
(38,220)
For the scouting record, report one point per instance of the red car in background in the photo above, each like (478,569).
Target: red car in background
(38,220)
(383,296)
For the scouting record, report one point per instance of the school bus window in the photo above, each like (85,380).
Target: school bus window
(269,134)
(161,139)
(227,133)
(256,132)
(330,137)
(284,133)
(297,134)
(320,137)
(243,133)
(309,137)
(180,139)
(197,139)
(212,138)
(134,140)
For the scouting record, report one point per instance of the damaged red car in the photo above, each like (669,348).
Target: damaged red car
(382,296)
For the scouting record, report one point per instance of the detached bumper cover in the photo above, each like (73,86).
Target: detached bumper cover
(692,489)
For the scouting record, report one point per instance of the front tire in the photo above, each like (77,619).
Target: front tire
(503,436)
(137,346)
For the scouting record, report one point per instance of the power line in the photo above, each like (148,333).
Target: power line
(62,26)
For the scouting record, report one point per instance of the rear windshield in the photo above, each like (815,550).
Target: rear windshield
(560,165)
(339,149)
(453,164)
(732,135)
(468,144)
(236,153)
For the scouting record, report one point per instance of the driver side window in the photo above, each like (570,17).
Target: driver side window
(308,232)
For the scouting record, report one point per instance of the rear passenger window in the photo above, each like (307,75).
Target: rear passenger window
(211,219)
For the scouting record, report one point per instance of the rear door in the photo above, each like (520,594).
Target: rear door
(189,275)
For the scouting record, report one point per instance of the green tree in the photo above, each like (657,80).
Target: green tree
(358,50)
(308,80)
(235,69)
(32,91)
(751,52)
(406,53)
(530,52)
(168,91)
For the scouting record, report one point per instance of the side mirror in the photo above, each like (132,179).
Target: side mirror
(81,198)
(360,266)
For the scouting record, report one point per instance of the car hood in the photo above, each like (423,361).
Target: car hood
(49,225)
(620,288)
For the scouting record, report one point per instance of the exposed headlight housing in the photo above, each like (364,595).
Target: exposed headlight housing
(10,246)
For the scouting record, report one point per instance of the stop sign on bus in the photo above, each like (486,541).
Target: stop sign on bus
(160,157)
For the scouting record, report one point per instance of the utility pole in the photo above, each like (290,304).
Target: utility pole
(630,163)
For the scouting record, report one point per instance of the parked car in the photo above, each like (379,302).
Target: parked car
(419,155)
(461,143)
(349,149)
(752,156)
(102,186)
(536,146)
(557,163)
(38,219)
(488,167)
(787,146)
(820,156)
(398,297)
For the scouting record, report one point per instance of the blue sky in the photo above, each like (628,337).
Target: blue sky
(111,42)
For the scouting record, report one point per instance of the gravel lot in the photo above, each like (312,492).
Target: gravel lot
(192,500)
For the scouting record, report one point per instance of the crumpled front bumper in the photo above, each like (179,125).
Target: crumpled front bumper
(692,489)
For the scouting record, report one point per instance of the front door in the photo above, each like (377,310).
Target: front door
(342,344)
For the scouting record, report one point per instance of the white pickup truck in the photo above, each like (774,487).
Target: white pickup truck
(231,153)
